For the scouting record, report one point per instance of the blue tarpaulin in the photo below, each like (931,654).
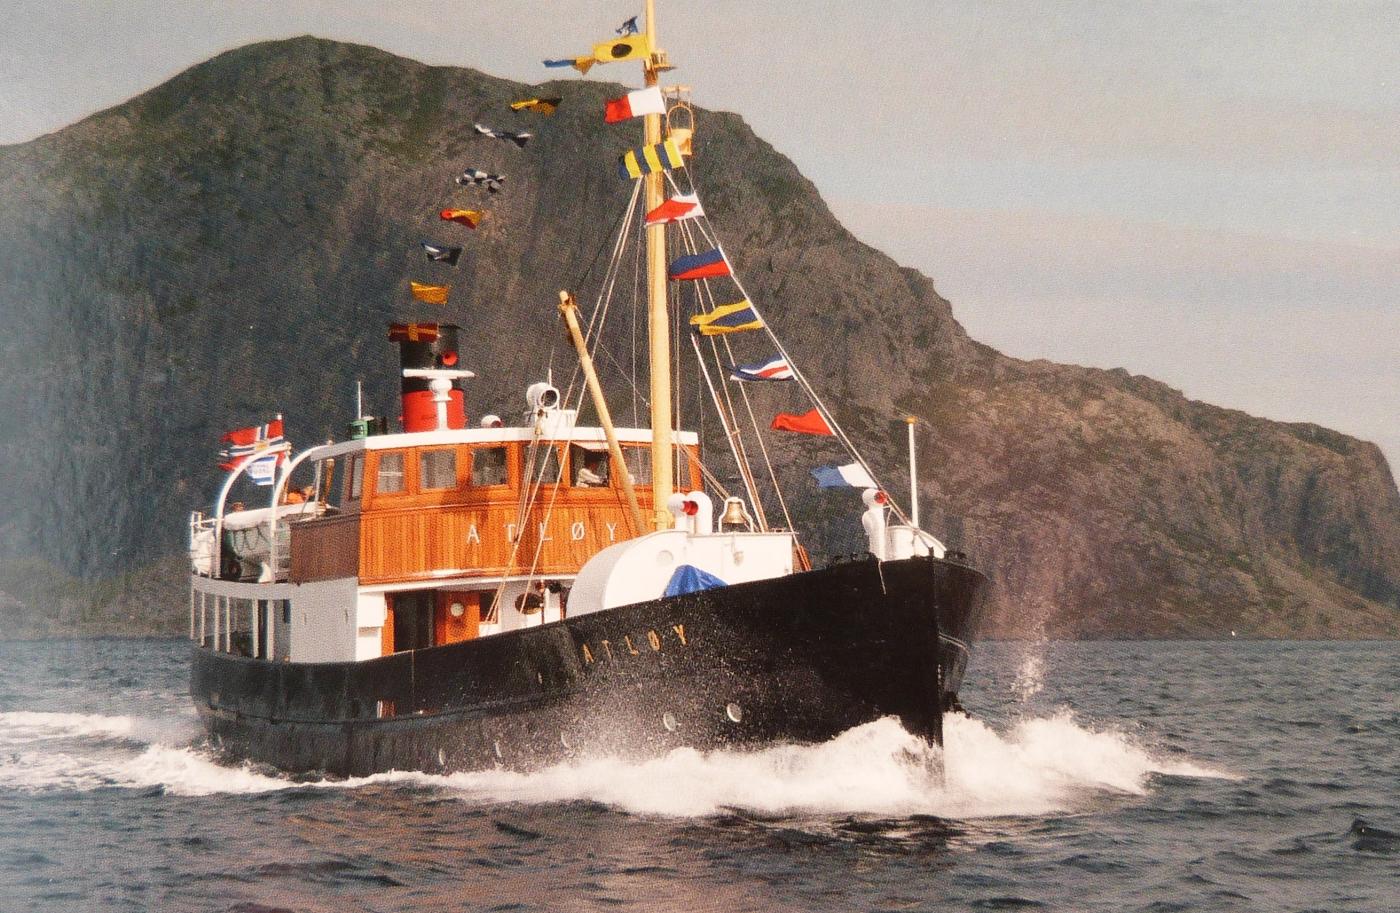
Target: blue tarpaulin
(690,579)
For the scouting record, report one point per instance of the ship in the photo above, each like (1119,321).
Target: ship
(450,595)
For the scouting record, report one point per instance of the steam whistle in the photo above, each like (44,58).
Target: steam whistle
(431,382)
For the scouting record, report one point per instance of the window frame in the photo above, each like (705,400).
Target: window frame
(469,471)
(355,478)
(379,458)
(456,478)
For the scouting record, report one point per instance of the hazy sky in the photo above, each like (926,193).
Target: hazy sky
(1208,193)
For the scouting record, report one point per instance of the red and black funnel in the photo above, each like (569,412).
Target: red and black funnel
(428,345)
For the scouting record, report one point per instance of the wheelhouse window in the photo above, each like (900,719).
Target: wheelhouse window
(437,469)
(389,478)
(638,460)
(355,478)
(588,465)
(488,466)
(542,464)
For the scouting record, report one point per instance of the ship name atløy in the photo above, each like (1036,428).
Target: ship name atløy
(611,650)
(577,531)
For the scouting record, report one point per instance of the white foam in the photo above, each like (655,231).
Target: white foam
(1039,766)
(1035,767)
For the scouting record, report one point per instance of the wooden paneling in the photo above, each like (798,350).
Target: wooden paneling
(488,539)
(477,531)
(325,548)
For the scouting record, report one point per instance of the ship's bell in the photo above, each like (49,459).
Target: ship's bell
(735,517)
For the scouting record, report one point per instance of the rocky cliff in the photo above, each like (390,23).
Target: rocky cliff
(233,242)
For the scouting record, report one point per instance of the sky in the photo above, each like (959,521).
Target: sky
(1206,193)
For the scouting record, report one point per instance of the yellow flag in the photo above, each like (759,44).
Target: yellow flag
(628,48)
(432,294)
(542,105)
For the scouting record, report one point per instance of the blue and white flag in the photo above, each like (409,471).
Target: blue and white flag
(852,475)
(774,369)
(263,471)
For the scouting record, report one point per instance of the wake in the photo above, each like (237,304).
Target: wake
(1034,767)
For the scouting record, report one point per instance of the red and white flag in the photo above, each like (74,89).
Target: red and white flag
(635,104)
(677,209)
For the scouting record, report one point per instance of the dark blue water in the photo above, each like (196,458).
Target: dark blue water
(1104,776)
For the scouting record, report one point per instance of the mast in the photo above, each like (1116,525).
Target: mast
(659,328)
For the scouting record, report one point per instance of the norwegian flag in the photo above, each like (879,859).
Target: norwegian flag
(253,442)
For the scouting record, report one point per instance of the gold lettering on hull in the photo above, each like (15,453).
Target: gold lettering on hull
(654,640)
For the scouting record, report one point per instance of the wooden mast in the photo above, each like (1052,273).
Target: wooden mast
(659,328)
(569,311)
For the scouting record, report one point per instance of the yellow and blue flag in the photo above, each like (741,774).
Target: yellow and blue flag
(661,157)
(628,47)
(728,318)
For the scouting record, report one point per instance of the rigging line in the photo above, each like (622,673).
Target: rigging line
(746,468)
(623,228)
(712,479)
(609,277)
(762,447)
(732,431)
(623,231)
(732,428)
(622,218)
(799,376)
(529,495)
(674,342)
(606,354)
(757,431)
(551,450)
(636,325)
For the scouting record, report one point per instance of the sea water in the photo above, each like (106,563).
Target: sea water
(1092,776)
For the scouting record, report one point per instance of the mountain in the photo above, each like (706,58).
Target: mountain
(232,244)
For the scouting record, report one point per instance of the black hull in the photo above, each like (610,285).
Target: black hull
(796,659)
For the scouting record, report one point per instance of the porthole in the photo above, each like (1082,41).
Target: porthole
(734,712)
(668,719)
